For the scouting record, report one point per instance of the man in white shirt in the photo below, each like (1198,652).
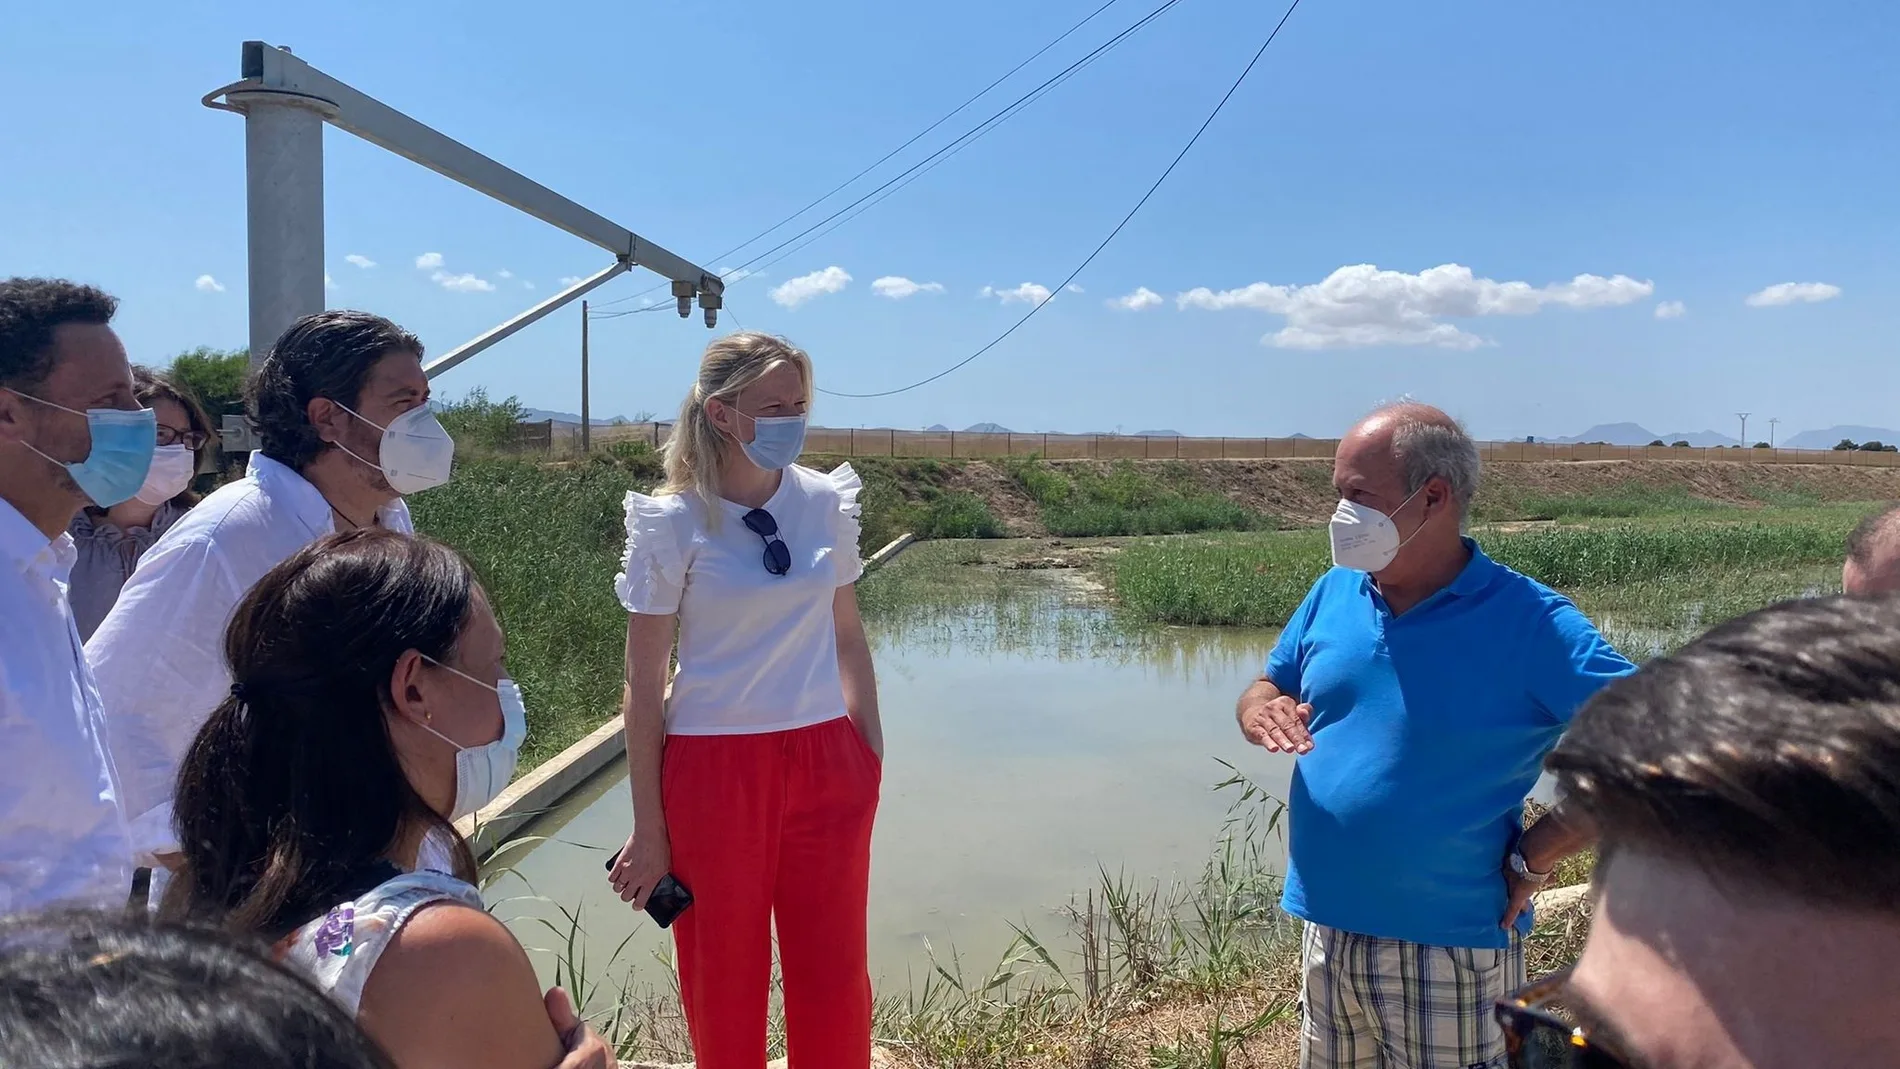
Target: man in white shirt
(63,381)
(320,404)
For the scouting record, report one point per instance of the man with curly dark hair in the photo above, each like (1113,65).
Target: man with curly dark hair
(72,434)
(341,409)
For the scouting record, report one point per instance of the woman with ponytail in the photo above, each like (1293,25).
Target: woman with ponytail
(756,782)
(369,708)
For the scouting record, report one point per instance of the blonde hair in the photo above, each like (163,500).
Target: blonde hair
(696,451)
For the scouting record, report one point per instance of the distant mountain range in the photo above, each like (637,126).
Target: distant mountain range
(1637,434)
(1827,439)
(536,415)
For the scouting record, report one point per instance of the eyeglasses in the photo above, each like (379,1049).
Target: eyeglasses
(778,556)
(1537,1036)
(192,440)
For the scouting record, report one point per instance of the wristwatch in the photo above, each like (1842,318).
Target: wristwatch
(1522,869)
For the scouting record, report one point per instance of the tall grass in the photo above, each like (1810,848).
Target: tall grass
(1258,580)
(546,543)
(912,497)
(1083,503)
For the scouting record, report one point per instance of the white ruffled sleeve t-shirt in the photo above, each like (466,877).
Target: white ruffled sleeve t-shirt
(757,652)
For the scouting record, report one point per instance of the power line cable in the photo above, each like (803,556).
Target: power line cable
(920,135)
(979,130)
(998,340)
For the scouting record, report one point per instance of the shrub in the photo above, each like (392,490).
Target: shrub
(475,420)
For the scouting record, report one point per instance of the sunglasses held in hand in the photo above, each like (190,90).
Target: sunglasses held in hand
(1537,1035)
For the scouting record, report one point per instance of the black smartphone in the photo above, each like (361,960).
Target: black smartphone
(668,900)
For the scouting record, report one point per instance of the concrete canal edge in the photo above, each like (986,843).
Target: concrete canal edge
(883,556)
(554,779)
(542,789)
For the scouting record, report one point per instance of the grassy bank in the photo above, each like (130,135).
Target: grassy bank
(547,544)
(1670,577)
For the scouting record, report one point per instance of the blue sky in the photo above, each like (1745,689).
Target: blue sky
(1703,151)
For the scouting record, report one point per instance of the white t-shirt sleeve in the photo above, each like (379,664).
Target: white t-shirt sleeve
(158,658)
(653,569)
(849,558)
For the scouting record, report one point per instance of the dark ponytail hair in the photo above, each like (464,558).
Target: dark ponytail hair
(293,789)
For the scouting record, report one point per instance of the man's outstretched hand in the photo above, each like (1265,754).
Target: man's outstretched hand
(1277,723)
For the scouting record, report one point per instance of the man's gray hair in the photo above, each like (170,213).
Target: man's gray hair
(1431,445)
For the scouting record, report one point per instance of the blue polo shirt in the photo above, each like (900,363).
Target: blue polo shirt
(1429,730)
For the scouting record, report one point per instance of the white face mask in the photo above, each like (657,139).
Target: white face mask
(482,772)
(171,471)
(1364,538)
(417,452)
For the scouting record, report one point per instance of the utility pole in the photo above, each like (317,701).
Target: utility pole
(1744,418)
(587,423)
(1771,430)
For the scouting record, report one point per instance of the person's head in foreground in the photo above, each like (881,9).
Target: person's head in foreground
(1873,555)
(370,706)
(342,399)
(102,991)
(1747,791)
(72,433)
(1405,476)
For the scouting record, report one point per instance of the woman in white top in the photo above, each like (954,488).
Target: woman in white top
(370,707)
(755,783)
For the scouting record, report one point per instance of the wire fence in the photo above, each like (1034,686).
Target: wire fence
(974,445)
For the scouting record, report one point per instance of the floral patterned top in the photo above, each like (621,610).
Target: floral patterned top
(340,949)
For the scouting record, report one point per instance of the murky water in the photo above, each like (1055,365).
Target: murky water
(1031,743)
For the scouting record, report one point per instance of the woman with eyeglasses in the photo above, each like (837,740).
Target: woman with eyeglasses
(111,541)
(755,781)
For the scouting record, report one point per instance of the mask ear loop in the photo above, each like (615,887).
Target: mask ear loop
(1421,523)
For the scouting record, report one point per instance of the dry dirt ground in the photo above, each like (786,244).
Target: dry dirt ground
(1299,492)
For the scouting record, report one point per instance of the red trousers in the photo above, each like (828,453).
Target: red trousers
(765,828)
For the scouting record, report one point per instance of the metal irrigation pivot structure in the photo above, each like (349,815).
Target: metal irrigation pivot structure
(285,103)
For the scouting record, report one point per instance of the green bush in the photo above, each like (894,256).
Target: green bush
(216,376)
(476,421)
(957,515)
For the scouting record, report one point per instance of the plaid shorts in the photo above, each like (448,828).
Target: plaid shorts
(1372,1003)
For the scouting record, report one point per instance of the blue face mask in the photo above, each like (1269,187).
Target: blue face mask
(776,440)
(123,442)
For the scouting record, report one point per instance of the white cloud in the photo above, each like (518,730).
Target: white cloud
(569,280)
(360,260)
(463,283)
(1073,288)
(328,282)
(1671,310)
(1793,293)
(1142,299)
(897,287)
(735,274)
(1027,293)
(1360,305)
(504,273)
(797,291)
(207,284)
(429,261)
(526,285)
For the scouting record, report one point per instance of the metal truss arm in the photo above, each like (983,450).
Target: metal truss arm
(269,69)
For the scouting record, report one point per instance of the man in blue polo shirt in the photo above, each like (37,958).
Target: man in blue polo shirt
(1420,685)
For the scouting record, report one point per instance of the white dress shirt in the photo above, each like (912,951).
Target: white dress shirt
(63,838)
(159,654)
